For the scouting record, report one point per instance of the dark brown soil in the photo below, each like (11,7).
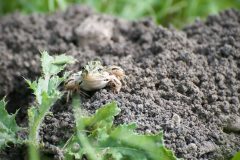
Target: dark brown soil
(186,83)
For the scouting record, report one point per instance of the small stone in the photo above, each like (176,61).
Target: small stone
(233,125)
(182,89)
(192,147)
(207,147)
(234,100)
(54,138)
(212,98)
(176,120)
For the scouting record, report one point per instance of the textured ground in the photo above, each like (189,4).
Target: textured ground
(186,83)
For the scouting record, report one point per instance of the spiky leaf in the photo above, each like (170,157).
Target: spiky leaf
(117,142)
(103,117)
(8,126)
(53,65)
(46,90)
(124,141)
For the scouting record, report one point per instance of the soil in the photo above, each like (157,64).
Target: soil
(184,82)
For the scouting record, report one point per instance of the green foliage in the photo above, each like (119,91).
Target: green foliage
(46,86)
(176,12)
(165,12)
(47,93)
(106,141)
(8,127)
(29,6)
(95,136)
(236,156)
(53,65)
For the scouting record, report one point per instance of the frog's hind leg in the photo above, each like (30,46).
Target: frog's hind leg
(115,84)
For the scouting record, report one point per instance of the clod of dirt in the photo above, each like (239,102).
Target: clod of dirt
(182,82)
(94,29)
(233,125)
(60,125)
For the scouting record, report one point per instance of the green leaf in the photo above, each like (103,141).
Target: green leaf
(46,90)
(125,141)
(103,117)
(53,65)
(63,59)
(8,126)
(236,156)
(80,138)
(116,142)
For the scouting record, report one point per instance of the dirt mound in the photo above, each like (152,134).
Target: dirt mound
(186,83)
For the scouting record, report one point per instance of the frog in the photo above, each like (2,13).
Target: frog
(95,76)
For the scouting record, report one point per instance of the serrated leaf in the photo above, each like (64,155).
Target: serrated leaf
(46,91)
(53,83)
(32,84)
(63,59)
(103,117)
(53,65)
(80,135)
(118,143)
(8,126)
(125,141)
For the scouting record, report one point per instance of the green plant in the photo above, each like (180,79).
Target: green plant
(236,156)
(165,12)
(29,6)
(95,136)
(8,127)
(46,92)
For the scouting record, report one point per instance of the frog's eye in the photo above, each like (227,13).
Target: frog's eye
(100,69)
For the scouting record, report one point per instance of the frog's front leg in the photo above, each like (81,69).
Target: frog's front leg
(115,84)
(71,86)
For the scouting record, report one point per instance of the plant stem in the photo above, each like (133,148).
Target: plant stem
(33,138)
(33,153)
(34,125)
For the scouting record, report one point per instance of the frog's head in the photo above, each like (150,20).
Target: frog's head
(93,68)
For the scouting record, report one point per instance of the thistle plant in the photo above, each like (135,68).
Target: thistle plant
(99,139)
(95,137)
(47,93)
(8,127)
